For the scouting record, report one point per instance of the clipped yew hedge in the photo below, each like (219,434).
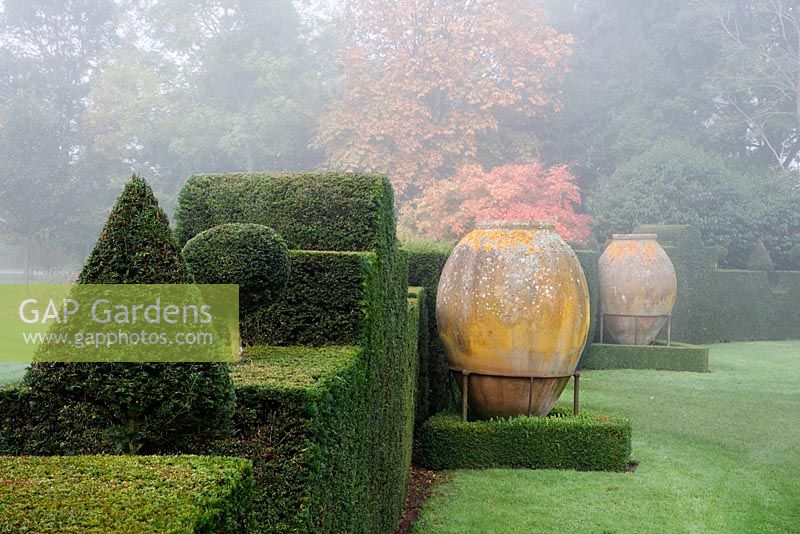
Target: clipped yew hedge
(332,454)
(314,211)
(587,442)
(329,439)
(327,427)
(125,494)
(426,262)
(418,303)
(321,303)
(128,407)
(302,419)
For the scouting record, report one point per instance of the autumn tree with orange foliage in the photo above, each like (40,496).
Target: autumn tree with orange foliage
(510,192)
(425,81)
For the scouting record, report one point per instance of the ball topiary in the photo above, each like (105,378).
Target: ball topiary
(130,407)
(251,255)
(721,253)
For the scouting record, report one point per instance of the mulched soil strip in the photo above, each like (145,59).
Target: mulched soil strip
(419,488)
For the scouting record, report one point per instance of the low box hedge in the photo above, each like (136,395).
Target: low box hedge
(676,357)
(587,442)
(125,494)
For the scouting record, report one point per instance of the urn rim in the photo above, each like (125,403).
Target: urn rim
(515,225)
(634,237)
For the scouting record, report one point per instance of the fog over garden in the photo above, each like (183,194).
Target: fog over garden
(410,266)
(599,114)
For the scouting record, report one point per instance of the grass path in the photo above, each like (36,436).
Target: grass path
(717,452)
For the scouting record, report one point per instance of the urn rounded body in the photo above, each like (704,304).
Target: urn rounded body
(638,288)
(513,314)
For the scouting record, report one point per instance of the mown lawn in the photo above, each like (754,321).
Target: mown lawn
(718,452)
(7,278)
(11,371)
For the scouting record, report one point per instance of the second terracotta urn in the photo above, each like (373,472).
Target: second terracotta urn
(638,288)
(513,314)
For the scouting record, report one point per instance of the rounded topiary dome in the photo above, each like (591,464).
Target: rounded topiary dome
(252,255)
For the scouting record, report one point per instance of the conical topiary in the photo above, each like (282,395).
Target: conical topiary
(794,257)
(131,407)
(759,259)
(136,245)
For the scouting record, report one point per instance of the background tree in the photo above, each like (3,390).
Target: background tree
(208,85)
(167,88)
(644,74)
(48,59)
(676,183)
(757,77)
(424,81)
(637,76)
(32,163)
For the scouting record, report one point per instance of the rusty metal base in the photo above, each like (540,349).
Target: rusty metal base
(465,388)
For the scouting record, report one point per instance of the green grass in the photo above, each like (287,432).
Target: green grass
(55,278)
(718,452)
(9,372)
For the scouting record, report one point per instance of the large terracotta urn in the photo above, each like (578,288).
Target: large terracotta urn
(513,314)
(637,288)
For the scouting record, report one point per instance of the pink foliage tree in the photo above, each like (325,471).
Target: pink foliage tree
(451,207)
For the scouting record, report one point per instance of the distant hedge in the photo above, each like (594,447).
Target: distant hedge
(343,212)
(589,260)
(251,255)
(125,494)
(676,357)
(424,269)
(588,442)
(753,305)
(423,384)
(726,305)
